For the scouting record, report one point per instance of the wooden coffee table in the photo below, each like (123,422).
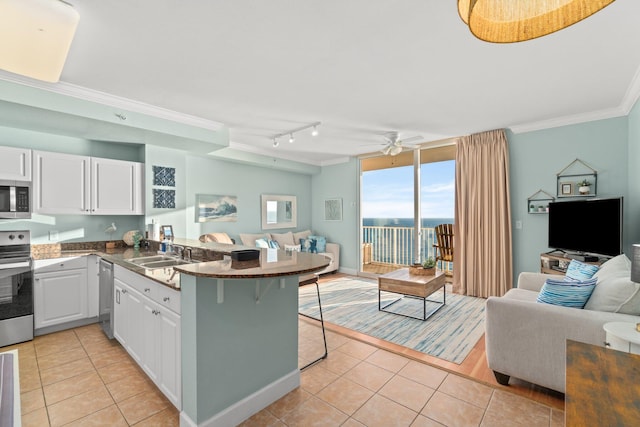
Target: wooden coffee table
(413,286)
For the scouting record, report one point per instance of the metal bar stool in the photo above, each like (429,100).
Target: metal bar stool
(308,280)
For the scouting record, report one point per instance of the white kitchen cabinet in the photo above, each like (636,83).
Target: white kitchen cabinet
(149,329)
(116,187)
(71,184)
(61,183)
(59,297)
(127,320)
(15,164)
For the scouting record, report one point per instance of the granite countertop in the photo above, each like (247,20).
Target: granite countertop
(272,263)
(212,260)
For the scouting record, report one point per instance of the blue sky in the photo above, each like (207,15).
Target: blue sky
(388,193)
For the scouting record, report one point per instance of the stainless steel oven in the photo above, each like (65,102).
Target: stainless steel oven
(16,287)
(15,199)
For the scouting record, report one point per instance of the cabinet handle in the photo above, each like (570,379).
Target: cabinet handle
(147,289)
(607,344)
(165,299)
(117,297)
(124,291)
(157,312)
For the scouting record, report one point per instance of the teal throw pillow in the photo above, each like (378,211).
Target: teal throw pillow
(566,293)
(321,243)
(580,271)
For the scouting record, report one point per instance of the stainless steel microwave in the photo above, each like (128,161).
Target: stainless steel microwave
(15,199)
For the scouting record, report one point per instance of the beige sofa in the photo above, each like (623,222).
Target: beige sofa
(291,239)
(527,340)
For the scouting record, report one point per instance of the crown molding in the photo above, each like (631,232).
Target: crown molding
(336,161)
(569,120)
(83,93)
(633,93)
(629,100)
(269,153)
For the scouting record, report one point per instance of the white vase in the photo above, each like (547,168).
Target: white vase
(584,189)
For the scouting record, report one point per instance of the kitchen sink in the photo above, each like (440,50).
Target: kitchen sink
(164,263)
(158,261)
(145,259)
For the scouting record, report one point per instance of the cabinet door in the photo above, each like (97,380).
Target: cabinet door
(15,164)
(60,297)
(151,326)
(170,351)
(120,312)
(127,319)
(61,183)
(116,187)
(134,316)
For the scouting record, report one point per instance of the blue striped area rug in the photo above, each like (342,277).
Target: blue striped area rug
(449,334)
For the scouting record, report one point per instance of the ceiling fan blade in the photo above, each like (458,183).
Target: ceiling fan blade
(413,138)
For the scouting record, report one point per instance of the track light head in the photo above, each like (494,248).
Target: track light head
(291,139)
(275,142)
(314,132)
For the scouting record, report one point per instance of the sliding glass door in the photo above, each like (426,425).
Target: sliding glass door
(392,238)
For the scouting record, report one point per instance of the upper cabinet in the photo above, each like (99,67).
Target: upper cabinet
(116,187)
(71,184)
(15,164)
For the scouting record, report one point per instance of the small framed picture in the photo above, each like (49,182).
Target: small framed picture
(567,189)
(167,232)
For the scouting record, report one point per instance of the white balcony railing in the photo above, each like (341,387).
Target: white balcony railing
(395,245)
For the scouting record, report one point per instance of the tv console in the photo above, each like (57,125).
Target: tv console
(556,262)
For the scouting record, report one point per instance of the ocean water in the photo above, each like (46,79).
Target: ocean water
(398,247)
(405,222)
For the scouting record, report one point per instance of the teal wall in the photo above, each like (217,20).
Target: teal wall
(235,348)
(535,159)
(339,181)
(633,201)
(204,175)
(71,228)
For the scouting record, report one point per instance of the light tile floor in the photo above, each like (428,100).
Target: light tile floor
(79,378)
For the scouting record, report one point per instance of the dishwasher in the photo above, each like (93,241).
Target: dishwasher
(105,316)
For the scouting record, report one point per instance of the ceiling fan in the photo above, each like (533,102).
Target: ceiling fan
(394,144)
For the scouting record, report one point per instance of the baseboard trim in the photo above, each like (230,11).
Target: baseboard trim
(65,326)
(245,408)
(350,271)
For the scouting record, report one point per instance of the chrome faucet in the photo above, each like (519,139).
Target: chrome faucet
(187,253)
(178,250)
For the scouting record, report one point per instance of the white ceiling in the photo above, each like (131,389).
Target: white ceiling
(361,67)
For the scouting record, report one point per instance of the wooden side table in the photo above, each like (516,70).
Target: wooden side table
(414,286)
(603,386)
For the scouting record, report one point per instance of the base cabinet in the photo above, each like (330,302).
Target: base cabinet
(60,292)
(149,330)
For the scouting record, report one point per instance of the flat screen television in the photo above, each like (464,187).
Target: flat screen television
(591,226)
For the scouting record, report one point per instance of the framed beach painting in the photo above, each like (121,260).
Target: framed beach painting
(212,207)
(333,209)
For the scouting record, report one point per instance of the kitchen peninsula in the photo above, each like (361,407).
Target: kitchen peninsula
(240,334)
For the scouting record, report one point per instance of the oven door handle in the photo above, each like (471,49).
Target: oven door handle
(15,265)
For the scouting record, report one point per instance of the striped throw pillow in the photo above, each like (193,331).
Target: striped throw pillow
(566,293)
(580,271)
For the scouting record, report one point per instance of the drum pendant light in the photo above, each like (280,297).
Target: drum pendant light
(501,21)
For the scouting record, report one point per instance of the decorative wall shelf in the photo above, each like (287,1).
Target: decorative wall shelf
(540,201)
(570,179)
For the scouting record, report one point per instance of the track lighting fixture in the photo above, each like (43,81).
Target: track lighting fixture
(291,133)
